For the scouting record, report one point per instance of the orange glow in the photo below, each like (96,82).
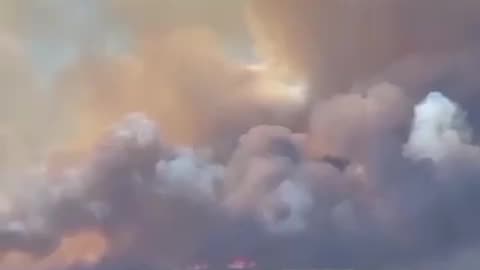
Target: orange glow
(83,247)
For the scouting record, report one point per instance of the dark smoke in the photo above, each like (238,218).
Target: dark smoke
(272,203)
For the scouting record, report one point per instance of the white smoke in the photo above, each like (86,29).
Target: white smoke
(189,174)
(296,200)
(438,128)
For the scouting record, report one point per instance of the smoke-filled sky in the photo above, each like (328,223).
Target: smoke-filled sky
(143,134)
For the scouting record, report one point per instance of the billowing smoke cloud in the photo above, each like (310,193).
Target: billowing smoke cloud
(162,205)
(340,44)
(227,159)
(182,87)
(438,130)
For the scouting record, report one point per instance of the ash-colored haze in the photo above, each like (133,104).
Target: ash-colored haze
(333,152)
(340,44)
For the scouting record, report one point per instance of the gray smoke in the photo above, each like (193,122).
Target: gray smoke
(270,202)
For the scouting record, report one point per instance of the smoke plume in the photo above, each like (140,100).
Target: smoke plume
(156,139)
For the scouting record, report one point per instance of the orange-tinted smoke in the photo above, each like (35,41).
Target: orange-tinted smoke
(339,44)
(85,247)
(182,80)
